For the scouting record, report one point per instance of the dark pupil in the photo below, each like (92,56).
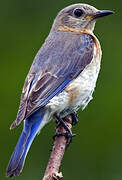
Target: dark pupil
(78,12)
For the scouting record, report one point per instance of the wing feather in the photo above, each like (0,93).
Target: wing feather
(61,59)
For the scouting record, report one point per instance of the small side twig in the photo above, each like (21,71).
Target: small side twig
(52,170)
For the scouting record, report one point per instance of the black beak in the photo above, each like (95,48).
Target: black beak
(102,13)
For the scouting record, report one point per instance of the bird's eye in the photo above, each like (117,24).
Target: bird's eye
(78,12)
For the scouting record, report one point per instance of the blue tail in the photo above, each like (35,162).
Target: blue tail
(31,128)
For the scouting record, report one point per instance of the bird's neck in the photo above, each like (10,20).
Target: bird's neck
(77,31)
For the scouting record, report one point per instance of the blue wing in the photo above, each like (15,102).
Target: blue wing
(61,59)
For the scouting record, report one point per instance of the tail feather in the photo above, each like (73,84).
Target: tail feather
(30,130)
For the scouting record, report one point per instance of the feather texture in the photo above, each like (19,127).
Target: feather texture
(30,130)
(61,59)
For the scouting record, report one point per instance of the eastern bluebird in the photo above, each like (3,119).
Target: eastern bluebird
(62,77)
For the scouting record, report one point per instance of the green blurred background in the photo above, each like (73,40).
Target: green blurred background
(96,151)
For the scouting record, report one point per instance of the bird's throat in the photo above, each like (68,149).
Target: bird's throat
(78,31)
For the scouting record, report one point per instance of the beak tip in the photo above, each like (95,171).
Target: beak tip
(103,13)
(109,12)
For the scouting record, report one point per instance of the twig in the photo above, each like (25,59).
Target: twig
(52,170)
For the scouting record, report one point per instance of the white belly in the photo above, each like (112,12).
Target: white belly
(79,92)
(84,85)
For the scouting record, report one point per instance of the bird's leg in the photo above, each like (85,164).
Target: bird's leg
(74,118)
(68,133)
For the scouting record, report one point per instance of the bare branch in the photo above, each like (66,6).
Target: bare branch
(52,170)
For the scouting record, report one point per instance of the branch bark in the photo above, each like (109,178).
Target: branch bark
(52,170)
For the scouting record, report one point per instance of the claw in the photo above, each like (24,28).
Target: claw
(74,118)
(68,133)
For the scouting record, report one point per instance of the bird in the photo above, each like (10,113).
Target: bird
(62,77)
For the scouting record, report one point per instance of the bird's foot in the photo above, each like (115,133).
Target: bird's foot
(74,119)
(68,134)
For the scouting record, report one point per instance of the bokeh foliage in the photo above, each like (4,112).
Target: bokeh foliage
(96,151)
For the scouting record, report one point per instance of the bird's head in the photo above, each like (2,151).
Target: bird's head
(79,17)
